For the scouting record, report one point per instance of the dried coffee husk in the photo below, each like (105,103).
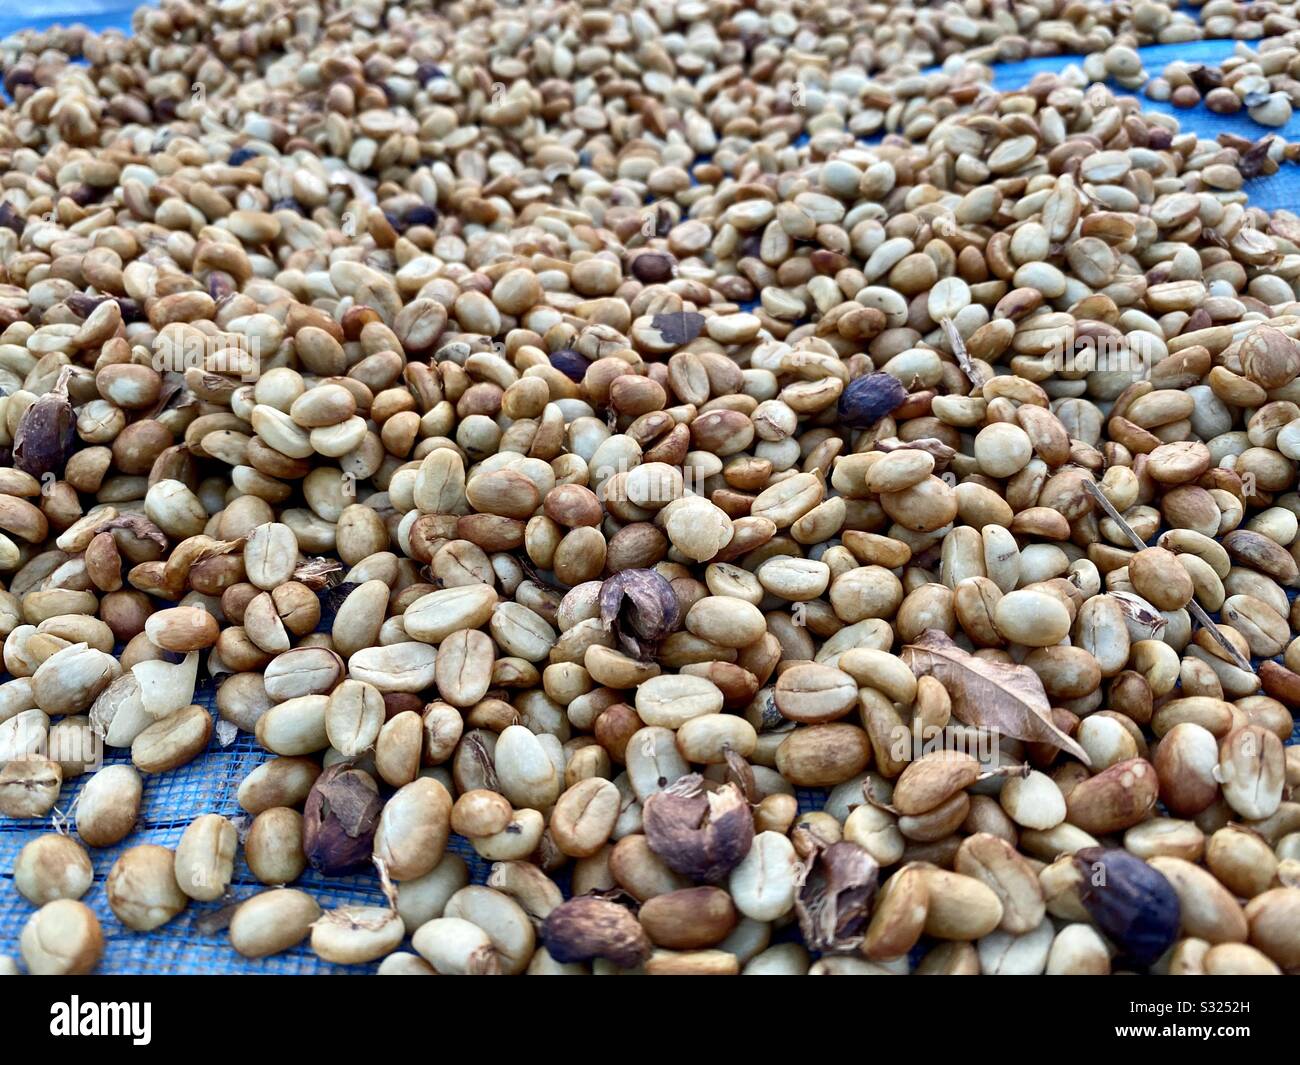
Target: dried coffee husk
(339,820)
(592,926)
(835,885)
(46,432)
(639,606)
(698,833)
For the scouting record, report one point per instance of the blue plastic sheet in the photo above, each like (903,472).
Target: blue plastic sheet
(208,785)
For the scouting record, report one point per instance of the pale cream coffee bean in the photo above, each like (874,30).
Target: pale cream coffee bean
(519,839)
(295,727)
(353,935)
(424,898)
(408,666)
(413,829)
(1033,801)
(671,699)
(506,923)
(270,555)
(1078,950)
(1004,954)
(272,921)
(1003,449)
(726,621)
(353,717)
(62,938)
(434,617)
(400,963)
(456,947)
(525,771)
(1032,618)
(762,886)
(205,857)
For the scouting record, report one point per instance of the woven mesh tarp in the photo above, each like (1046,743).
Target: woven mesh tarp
(208,785)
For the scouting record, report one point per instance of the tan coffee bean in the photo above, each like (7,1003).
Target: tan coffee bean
(270,555)
(274,846)
(182,629)
(109,805)
(1185,762)
(142,889)
(413,829)
(463,670)
(1209,912)
(398,747)
(1241,861)
(480,813)
(279,782)
(690,919)
(174,741)
(812,693)
(1115,798)
(996,863)
(1273,925)
(52,867)
(819,756)
(584,817)
(960,907)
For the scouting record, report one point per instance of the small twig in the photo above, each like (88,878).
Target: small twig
(1193,607)
(964,361)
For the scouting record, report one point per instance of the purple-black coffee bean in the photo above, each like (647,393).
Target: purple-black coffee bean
(1132,903)
(421,215)
(240,156)
(10,218)
(569,363)
(867,399)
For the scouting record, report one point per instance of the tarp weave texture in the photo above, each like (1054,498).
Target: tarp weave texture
(208,785)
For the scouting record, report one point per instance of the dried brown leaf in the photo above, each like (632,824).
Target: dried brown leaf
(989,694)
